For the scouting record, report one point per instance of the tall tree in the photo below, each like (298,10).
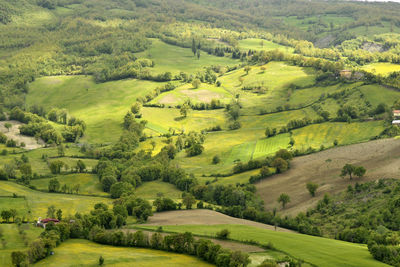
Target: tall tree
(284,199)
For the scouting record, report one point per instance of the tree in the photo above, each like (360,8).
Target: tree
(6,215)
(59,214)
(8,126)
(216,159)
(280,164)
(223,234)
(135,108)
(54,185)
(359,171)
(264,172)
(247,69)
(19,258)
(80,166)
(184,110)
(101,260)
(348,169)
(120,188)
(194,48)
(188,200)
(55,166)
(51,211)
(312,188)
(61,150)
(26,171)
(13,214)
(284,199)
(198,54)
(107,181)
(196,83)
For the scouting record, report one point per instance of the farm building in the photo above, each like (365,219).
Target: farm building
(396,113)
(346,74)
(396,122)
(43,222)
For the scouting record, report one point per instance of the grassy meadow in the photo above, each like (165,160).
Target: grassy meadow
(14,240)
(32,204)
(260,44)
(314,250)
(86,253)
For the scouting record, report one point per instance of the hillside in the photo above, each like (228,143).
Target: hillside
(198,132)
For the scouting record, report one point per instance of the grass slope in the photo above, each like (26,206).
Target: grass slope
(86,253)
(315,250)
(36,203)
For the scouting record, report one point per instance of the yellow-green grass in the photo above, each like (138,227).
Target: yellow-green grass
(161,120)
(276,120)
(371,31)
(176,59)
(381,68)
(204,94)
(304,23)
(225,144)
(302,97)
(78,252)
(36,202)
(88,183)
(377,94)
(241,178)
(15,241)
(268,146)
(150,190)
(102,106)
(276,78)
(326,133)
(315,250)
(255,44)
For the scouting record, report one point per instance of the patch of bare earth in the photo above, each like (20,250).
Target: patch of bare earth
(381,158)
(202,217)
(202,95)
(13,133)
(168,99)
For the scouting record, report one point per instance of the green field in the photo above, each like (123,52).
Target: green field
(14,240)
(381,68)
(255,44)
(88,183)
(325,134)
(176,59)
(36,203)
(149,190)
(102,106)
(77,252)
(314,250)
(376,95)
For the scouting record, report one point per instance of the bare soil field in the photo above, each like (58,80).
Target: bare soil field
(201,217)
(13,133)
(381,158)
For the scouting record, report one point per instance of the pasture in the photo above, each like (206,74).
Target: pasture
(14,240)
(35,203)
(381,68)
(313,250)
(101,105)
(261,44)
(176,59)
(86,253)
(88,183)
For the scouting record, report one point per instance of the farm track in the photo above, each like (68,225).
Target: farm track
(381,158)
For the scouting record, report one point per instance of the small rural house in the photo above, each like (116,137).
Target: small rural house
(396,113)
(43,222)
(346,74)
(396,122)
